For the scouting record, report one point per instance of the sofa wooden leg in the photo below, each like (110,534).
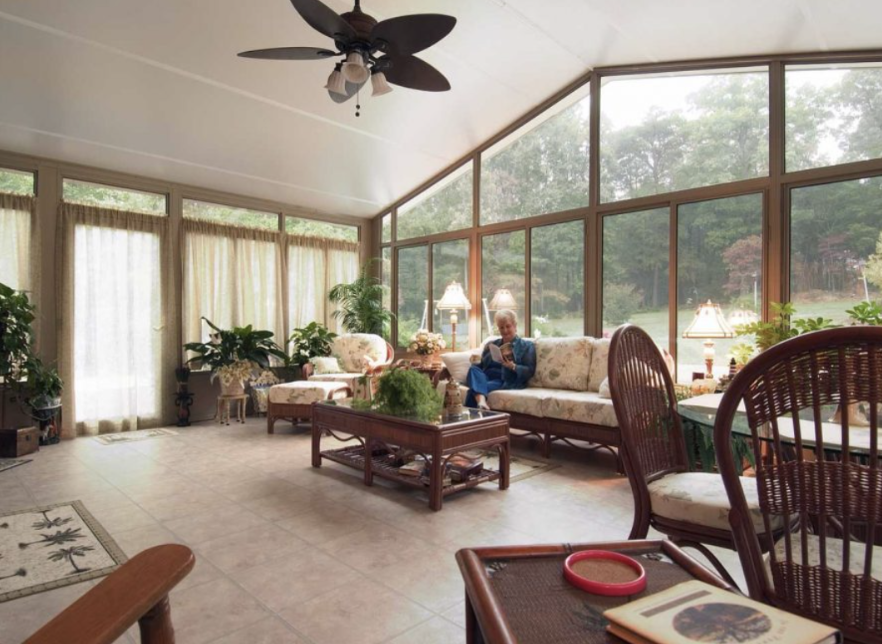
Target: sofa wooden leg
(620,464)
(270,424)
(546,446)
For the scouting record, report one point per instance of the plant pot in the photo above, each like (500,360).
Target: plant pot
(44,402)
(426,360)
(233,389)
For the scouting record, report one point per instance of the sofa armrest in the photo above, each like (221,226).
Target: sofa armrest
(308,370)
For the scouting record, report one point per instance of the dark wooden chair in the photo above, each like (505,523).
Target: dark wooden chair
(137,591)
(827,566)
(689,507)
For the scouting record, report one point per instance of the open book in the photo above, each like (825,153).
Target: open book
(501,354)
(698,612)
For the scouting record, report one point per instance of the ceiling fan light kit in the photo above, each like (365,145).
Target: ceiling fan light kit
(383,51)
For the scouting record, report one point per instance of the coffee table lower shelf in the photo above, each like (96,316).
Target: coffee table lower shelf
(353,456)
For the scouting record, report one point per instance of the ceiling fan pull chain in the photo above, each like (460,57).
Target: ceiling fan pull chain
(357,102)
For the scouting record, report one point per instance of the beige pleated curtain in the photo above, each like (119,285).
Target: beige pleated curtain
(118,330)
(233,277)
(315,266)
(19,244)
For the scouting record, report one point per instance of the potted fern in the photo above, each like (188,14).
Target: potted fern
(360,305)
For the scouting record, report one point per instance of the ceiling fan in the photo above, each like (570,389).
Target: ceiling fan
(382,51)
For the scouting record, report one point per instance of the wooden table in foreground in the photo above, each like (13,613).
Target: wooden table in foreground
(518,594)
(436,441)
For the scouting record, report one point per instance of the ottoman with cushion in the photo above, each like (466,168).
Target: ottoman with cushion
(294,400)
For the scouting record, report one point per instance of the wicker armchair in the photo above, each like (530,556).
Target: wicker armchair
(827,567)
(690,507)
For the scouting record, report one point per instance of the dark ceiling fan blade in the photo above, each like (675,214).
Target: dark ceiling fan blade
(289,53)
(413,72)
(324,19)
(351,90)
(410,34)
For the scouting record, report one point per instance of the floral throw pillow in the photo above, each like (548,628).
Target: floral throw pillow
(326,365)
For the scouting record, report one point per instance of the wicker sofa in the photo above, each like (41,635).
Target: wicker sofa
(563,401)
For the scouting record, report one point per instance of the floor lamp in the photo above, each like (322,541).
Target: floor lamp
(454,299)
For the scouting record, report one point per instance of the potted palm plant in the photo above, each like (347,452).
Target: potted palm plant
(233,354)
(360,305)
(16,316)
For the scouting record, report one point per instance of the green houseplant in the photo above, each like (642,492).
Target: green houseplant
(312,341)
(16,316)
(44,387)
(232,353)
(405,392)
(360,305)
(866,313)
(782,326)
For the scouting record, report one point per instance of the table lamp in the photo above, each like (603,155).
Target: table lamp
(453,300)
(742,317)
(503,299)
(709,324)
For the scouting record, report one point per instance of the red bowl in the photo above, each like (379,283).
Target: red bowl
(600,587)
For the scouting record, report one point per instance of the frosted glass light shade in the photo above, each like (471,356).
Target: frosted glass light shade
(740,317)
(354,70)
(379,84)
(336,83)
(454,298)
(503,299)
(709,322)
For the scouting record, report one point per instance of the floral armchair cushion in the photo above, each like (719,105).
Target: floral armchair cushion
(351,349)
(562,363)
(599,363)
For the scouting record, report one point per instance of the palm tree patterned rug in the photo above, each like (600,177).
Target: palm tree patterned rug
(9,463)
(127,437)
(53,546)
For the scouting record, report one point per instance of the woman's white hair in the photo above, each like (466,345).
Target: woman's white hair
(505,315)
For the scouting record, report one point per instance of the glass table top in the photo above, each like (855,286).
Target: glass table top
(469,414)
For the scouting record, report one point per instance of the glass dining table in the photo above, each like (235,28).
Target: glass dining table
(702,410)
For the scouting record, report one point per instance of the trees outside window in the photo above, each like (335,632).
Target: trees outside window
(445,206)
(636,258)
(16,182)
(230,215)
(557,281)
(503,262)
(96,194)
(450,262)
(835,247)
(413,295)
(313,228)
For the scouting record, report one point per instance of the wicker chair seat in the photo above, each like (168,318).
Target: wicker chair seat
(833,546)
(700,498)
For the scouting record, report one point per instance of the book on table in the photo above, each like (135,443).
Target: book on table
(698,612)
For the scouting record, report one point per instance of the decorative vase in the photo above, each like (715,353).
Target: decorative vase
(426,360)
(235,388)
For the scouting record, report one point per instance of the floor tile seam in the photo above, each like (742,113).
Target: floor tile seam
(409,629)
(165,526)
(300,636)
(305,544)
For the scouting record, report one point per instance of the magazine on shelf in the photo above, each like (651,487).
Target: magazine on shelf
(698,612)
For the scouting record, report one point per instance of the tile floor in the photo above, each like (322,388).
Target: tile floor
(287,554)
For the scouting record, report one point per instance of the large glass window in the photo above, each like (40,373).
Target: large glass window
(447,205)
(17,221)
(540,168)
(833,114)
(636,259)
(386,228)
(230,215)
(450,263)
(386,276)
(413,296)
(719,259)
(557,281)
(16,182)
(313,228)
(503,278)
(676,131)
(96,194)
(835,247)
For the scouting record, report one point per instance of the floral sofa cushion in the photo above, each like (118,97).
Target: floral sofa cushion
(562,363)
(355,381)
(304,392)
(599,369)
(518,401)
(700,497)
(579,407)
(352,348)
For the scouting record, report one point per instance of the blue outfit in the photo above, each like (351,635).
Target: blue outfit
(491,375)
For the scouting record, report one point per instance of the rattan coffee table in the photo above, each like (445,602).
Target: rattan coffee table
(385,437)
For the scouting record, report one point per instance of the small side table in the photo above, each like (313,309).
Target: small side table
(223,408)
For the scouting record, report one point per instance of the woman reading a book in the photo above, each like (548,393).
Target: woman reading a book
(506,363)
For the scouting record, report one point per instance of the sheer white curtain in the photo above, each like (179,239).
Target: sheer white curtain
(18,241)
(342,269)
(115,344)
(307,281)
(233,277)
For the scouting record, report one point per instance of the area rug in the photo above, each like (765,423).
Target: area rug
(53,546)
(521,468)
(128,437)
(9,463)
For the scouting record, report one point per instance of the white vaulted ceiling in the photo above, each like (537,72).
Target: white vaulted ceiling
(155,88)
